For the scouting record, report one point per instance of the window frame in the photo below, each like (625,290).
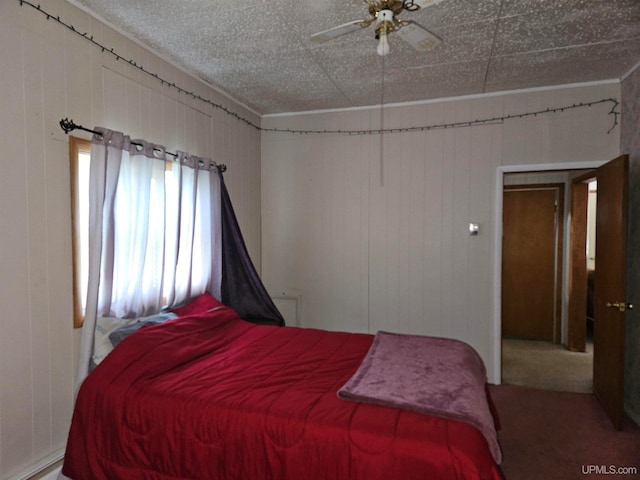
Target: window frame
(77,146)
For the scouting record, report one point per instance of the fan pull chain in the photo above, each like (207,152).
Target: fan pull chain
(382,123)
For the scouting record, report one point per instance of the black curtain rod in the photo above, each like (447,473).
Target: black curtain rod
(69,125)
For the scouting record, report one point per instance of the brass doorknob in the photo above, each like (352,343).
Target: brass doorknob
(622,306)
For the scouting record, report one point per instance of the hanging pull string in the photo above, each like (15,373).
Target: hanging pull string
(380,131)
(69,126)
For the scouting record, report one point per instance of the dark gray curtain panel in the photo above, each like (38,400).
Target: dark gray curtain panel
(242,288)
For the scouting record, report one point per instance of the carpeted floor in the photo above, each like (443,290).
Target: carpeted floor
(548,435)
(546,366)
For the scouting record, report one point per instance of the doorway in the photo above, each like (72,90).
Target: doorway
(550,357)
(610,303)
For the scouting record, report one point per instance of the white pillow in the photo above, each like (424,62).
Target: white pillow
(104,326)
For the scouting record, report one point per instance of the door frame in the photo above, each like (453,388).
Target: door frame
(578,271)
(497,247)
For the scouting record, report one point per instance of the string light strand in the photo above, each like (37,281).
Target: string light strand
(496,120)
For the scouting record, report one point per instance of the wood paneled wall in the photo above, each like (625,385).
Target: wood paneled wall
(366,245)
(381,242)
(49,73)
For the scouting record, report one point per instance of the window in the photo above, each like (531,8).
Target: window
(79,157)
(172,257)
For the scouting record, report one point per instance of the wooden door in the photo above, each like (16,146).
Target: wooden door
(529,263)
(610,287)
(577,314)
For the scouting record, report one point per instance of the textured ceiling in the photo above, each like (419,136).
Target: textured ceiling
(259,51)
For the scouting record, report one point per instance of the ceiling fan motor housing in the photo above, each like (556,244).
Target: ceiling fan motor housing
(395,6)
(385,14)
(384,22)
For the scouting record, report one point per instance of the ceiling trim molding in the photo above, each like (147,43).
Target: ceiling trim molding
(613,81)
(631,70)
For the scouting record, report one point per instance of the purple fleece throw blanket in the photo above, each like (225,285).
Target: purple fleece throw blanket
(435,376)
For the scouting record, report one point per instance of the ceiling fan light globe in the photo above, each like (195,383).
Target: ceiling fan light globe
(383,45)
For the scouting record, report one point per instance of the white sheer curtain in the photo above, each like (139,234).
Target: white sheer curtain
(154,231)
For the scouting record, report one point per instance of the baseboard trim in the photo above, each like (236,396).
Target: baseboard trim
(633,415)
(53,474)
(46,469)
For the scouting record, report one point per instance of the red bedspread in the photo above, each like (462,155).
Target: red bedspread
(215,397)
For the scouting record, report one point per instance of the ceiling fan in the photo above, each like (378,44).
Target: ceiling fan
(385,15)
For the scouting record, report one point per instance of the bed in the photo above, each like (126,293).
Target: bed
(208,395)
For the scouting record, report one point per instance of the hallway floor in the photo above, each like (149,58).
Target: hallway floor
(546,366)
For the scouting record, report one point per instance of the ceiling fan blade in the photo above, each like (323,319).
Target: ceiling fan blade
(334,32)
(418,37)
(411,4)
